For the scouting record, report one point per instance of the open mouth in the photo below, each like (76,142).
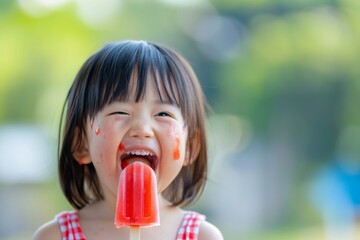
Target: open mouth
(139,156)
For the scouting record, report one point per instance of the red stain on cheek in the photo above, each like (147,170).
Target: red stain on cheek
(176,153)
(121,147)
(97,131)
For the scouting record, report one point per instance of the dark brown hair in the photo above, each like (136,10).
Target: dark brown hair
(104,78)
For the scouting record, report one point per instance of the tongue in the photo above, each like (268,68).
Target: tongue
(130,160)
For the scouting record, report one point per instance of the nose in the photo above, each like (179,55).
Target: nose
(141,129)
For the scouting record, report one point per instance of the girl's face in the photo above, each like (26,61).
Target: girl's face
(148,131)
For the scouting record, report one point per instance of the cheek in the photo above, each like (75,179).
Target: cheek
(175,134)
(176,153)
(103,146)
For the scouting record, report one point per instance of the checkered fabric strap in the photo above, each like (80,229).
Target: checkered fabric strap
(189,228)
(69,226)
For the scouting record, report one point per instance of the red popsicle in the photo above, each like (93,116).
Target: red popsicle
(137,200)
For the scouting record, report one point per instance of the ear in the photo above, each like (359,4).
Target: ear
(80,148)
(195,144)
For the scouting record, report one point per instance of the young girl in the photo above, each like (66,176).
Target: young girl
(132,101)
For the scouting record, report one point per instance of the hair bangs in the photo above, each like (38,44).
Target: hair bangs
(113,67)
(170,81)
(122,74)
(152,66)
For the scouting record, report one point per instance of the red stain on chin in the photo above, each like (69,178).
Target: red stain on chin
(121,147)
(97,131)
(176,153)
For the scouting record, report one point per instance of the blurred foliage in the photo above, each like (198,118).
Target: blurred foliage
(299,67)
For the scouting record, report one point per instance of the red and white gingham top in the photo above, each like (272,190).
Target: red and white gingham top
(71,229)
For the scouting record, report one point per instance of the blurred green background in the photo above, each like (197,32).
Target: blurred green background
(281,76)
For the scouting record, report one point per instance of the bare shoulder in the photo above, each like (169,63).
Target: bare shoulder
(48,231)
(209,231)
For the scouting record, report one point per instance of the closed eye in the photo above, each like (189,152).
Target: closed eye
(163,114)
(120,113)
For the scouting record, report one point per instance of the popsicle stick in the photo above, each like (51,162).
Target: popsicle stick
(134,233)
